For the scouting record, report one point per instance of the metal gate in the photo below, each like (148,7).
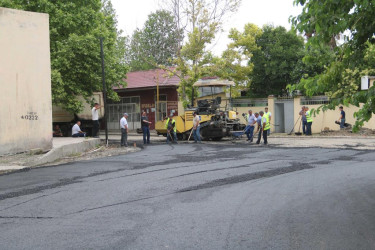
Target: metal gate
(130,105)
(284,115)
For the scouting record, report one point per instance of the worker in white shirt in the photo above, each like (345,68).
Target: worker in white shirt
(251,121)
(196,128)
(124,130)
(95,120)
(76,130)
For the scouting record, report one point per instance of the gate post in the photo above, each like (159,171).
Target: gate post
(271,108)
(297,107)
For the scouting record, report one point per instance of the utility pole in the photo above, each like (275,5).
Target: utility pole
(157,95)
(104,91)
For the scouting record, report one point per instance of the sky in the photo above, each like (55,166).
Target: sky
(132,14)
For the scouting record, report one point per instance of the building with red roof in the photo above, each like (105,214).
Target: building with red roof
(140,94)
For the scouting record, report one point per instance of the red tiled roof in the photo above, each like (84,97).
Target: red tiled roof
(144,79)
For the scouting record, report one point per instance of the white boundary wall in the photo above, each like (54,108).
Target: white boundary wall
(25,82)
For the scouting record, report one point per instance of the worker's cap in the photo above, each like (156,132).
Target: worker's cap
(126,114)
(171,114)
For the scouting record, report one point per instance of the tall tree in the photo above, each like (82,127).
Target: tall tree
(322,22)
(75,28)
(156,43)
(275,58)
(235,62)
(201,20)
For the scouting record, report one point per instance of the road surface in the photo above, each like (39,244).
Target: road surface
(201,196)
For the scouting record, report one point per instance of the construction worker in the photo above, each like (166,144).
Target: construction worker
(170,125)
(196,128)
(95,120)
(309,120)
(341,120)
(251,121)
(304,121)
(268,116)
(124,130)
(258,120)
(262,128)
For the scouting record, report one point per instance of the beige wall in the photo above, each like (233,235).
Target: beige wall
(327,119)
(321,121)
(25,82)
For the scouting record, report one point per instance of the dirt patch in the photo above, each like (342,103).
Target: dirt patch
(17,159)
(101,151)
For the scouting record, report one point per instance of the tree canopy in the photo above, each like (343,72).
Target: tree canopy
(235,62)
(75,29)
(201,20)
(275,59)
(157,43)
(353,24)
(264,60)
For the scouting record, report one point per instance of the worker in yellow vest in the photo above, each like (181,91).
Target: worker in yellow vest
(170,125)
(309,120)
(268,116)
(263,127)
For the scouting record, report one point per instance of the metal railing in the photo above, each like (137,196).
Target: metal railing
(258,102)
(315,100)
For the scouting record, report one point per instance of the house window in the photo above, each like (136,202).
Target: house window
(162,98)
(161,111)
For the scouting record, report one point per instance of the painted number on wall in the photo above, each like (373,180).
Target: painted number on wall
(32,116)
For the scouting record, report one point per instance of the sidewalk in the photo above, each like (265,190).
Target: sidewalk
(62,147)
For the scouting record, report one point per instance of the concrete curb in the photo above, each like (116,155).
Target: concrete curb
(6,168)
(65,150)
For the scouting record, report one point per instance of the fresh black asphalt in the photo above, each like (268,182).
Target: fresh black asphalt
(195,196)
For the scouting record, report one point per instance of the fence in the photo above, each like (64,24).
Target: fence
(259,102)
(315,100)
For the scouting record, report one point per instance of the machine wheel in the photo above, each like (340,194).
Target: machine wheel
(185,136)
(201,132)
(180,137)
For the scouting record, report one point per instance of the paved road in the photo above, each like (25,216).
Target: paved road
(195,197)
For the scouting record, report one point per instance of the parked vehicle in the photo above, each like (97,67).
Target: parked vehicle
(66,120)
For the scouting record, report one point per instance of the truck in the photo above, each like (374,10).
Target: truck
(66,120)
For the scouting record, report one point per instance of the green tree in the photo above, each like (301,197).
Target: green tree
(75,28)
(156,43)
(235,62)
(275,59)
(323,22)
(201,20)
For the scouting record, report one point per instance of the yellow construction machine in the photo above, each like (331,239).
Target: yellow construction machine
(214,123)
